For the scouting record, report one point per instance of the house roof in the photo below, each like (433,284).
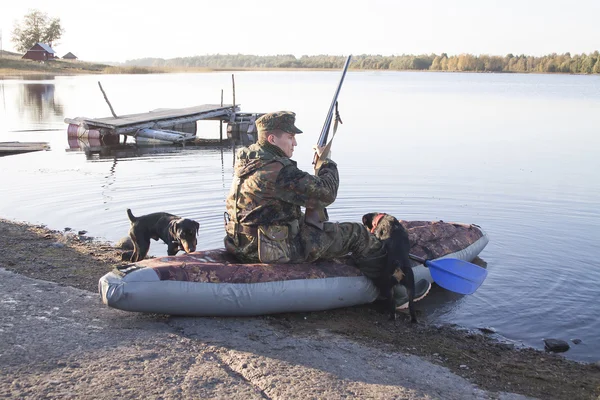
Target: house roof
(47,48)
(69,55)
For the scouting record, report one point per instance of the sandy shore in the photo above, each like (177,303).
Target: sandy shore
(71,346)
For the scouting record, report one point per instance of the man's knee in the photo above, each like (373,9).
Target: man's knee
(361,242)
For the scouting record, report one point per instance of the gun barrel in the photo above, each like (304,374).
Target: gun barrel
(327,125)
(317,216)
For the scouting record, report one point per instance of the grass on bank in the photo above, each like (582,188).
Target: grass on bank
(11,64)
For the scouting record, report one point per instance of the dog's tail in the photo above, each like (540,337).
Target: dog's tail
(132,218)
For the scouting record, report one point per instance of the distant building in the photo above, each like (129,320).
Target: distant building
(40,52)
(70,56)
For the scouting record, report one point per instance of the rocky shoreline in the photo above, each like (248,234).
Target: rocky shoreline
(73,259)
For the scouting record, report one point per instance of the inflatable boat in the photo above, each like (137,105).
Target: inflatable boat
(213,283)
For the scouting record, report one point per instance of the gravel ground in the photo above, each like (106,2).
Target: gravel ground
(58,341)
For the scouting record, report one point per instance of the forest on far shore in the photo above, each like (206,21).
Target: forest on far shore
(552,63)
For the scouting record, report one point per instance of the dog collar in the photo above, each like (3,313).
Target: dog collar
(376,221)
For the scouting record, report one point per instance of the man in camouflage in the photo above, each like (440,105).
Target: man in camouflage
(266,223)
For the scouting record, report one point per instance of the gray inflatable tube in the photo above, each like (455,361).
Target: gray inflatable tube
(141,289)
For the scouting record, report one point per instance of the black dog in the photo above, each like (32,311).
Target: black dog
(178,233)
(387,228)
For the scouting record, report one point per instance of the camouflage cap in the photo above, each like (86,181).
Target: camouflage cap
(282,120)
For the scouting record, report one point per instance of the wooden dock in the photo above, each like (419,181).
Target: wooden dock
(158,119)
(11,148)
(164,125)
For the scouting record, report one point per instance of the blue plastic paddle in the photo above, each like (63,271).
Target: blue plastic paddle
(455,275)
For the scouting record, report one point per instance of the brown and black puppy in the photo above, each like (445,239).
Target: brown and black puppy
(178,233)
(395,238)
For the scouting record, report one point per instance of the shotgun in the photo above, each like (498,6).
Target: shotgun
(317,216)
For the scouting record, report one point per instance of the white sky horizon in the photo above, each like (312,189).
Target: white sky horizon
(117,31)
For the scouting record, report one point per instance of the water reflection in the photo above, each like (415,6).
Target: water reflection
(3,96)
(38,100)
(110,180)
(95,149)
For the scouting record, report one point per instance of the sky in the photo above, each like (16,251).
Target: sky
(116,31)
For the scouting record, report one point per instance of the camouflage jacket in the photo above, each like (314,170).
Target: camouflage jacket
(268,189)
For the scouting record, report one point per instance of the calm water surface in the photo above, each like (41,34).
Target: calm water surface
(516,154)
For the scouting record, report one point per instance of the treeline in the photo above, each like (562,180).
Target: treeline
(553,63)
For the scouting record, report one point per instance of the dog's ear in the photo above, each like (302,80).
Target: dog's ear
(197,225)
(173,227)
(367,220)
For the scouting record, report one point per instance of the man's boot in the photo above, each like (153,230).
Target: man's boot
(422,287)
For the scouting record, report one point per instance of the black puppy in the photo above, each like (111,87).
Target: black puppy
(178,233)
(389,230)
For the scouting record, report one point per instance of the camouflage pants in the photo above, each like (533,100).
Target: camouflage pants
(312,244)
(337,240)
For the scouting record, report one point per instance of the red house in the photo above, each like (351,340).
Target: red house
(40,52)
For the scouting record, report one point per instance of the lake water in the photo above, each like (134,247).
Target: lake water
(518,155)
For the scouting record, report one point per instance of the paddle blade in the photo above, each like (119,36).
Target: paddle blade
(456,275)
